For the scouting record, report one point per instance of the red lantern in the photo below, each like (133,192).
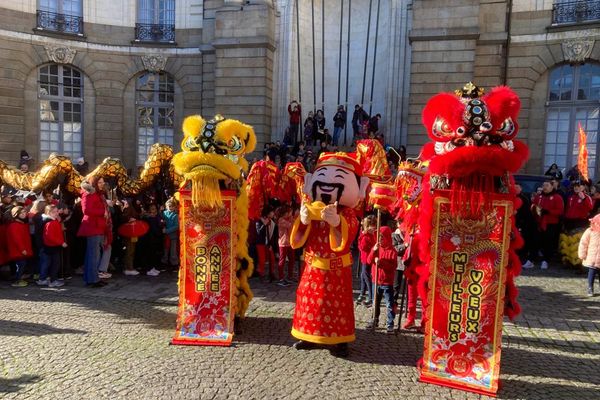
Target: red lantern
(133,229)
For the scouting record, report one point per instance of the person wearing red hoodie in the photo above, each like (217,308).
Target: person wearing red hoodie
(18,241)
(366,241)
(548,208)
(94,226)
(579,207)
(383,258)
(54,240)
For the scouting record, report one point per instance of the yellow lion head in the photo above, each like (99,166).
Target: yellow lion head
(213,151)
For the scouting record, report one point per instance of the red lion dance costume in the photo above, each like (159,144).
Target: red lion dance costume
(467,234)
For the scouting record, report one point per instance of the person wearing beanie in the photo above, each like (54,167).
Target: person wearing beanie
(18,242)
(589,252)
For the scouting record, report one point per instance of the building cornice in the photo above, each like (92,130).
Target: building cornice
(95,47)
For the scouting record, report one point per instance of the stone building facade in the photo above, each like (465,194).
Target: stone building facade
(95,79)
(546,50)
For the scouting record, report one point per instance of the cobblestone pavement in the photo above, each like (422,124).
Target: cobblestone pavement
(80,343)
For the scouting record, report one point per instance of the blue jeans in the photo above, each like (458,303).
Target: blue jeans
(336,135)
(92,258)
(20,268)
(365,281)
(387,291)
(592,272)
(44,262)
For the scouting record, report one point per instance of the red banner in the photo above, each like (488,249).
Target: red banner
(206,274)
(463,334)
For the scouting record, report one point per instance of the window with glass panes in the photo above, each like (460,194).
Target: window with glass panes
(155,107)
(156,12)
(60,93)
(573,99)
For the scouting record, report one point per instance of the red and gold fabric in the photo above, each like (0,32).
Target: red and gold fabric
(207,303)
(467,286)
(324,302)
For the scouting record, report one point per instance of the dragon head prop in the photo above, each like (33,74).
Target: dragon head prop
(213,155)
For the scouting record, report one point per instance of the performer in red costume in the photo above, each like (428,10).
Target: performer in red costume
(326,227)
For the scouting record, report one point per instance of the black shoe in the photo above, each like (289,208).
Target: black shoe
(98,284)
(390,330)
(237,325)
(304,345)
(340,350)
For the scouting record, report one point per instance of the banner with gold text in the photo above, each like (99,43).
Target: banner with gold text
(206,275)
(463,333)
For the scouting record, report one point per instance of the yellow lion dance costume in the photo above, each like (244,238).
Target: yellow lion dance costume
(213,159)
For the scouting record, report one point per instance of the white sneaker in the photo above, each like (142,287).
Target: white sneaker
(544,265)
(131,272)
(528,264)
(104,275)
(56,283)
(153,272)
(42,282)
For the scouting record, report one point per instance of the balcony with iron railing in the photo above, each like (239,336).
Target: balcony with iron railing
(155,33)
(61,23)
(573,12)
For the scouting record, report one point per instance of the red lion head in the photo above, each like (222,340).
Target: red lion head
(474,133)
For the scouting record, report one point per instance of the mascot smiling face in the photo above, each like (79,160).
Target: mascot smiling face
(336,179)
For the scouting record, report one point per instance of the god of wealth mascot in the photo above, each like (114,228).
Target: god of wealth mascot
(326,227)
(214,226)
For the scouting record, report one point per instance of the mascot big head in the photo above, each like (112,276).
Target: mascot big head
(336,178)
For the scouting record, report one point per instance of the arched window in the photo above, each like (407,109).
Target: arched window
(573,99)
(155,93)
(60,90)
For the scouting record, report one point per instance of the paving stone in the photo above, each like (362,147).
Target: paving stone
(112,343)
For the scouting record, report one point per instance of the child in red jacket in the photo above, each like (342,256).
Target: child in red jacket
(54,240)
(383,258)
(18,243)
(366,241)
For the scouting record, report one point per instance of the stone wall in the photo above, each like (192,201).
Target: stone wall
(109,101)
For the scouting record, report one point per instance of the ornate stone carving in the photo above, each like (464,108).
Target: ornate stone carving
(154,63)
(577,50)
(60,54)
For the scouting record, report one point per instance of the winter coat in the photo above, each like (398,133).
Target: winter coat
(366,241)
(589,248)
(18,240)
(261,235)
(53,233)
(94,209)
(387,259)
(339,119)
(552,206)
(284,226)
(578,208)
(295,115)
(171,219)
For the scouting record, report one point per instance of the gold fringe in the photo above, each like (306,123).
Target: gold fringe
(206,192)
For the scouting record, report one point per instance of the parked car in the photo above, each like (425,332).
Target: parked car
(530,183)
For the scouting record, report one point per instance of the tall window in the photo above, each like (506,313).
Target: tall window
(573,98)
(155,94)
(60,16)
(155,21)
(60,90)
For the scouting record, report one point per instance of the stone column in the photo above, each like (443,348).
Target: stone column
(244,46)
